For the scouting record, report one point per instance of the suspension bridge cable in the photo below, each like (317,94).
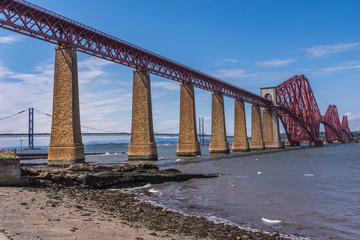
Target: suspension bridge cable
(12,115)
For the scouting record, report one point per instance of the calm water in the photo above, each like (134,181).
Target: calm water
(312,192)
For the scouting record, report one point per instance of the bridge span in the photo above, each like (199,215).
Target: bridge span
(292,101)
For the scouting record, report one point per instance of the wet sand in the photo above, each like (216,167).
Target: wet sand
(28,213)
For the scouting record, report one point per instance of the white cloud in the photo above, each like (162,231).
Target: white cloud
(341,67)
(354,120)
(9,39)
(4,72)
(23,90)
(170,86)
(91,68)
(277,62)
(324,50)
(352,116)
(99,108)
(230,73)
(167,126)
(228,60)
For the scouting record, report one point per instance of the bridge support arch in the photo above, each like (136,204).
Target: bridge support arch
(218,143)
(142,143)
(66,145)
(270,120)
(188,144)
(241,142)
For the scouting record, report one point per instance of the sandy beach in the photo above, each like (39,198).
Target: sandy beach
(86,202)
(37,214)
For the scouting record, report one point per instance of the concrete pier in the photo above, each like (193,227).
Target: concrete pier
(188,144)
(257,142)
(241,142)
(142,144)
(10,172)
(218,143)
(65,142)
(270,121)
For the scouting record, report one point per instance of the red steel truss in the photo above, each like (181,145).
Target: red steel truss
(345,129)
(298,110)
(331,122)
(28,19)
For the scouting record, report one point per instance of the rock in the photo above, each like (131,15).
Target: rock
(102,177)
(45,175)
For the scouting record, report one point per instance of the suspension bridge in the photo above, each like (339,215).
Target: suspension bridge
(24,123)
(292,101)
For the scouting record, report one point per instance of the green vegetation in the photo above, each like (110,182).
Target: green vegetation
(6,155)
(356,135)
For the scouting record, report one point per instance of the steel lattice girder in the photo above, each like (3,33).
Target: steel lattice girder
(345,129)
(29,19)
(298,110)
(331,122)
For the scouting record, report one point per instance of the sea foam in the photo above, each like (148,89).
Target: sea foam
(270,221)
(308,175)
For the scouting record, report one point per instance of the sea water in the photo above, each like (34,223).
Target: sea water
(307,193)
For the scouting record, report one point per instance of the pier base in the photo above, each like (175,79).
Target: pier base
(218,143)
(188,144)
(292,144)
(65,142)
(10,172)
(241,142)
(256,142)
(316,143)
(142,143)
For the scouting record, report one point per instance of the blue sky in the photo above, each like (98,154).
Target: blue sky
(251,44)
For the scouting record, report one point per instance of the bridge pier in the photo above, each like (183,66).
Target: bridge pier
(66,145)
(142,143)
(218,142)
(270,121)
(241,142)
(292,144)
(316,143)
(188,144)
(256,142)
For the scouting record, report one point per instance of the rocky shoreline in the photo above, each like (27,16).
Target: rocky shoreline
(93,185)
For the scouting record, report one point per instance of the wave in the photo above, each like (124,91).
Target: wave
(216,219)
(153,190)
(109,154)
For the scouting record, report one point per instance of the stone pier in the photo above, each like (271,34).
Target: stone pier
(218,143)
(241,142)
(270,121)
(292,144)
(65,142)
(10,172)
(257,142)
(316,143)
(188,144)
(142,143)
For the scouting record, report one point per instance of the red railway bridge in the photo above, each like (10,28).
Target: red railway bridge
(293,101)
